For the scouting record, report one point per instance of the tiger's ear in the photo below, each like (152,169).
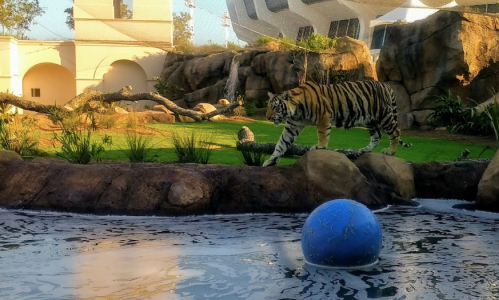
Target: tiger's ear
(271,95)
(296,91)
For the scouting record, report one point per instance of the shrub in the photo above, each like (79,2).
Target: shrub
(138,148)
(108,121)
(317,42)
(166,89)
(447,111)
(131,121)
(253,157)
(193,147)
(18,137)
(77,147)
(250,108)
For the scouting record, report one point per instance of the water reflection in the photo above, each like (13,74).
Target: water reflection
(430,252)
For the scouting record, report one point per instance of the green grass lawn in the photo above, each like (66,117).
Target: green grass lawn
(225,134)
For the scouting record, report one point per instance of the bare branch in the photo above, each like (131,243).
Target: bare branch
(124,94)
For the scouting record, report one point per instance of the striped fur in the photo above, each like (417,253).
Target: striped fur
(345,105)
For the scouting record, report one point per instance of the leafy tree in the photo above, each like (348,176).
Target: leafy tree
(69,19)
(181,32)
(17,16)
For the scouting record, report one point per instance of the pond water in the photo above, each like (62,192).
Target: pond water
(429,252)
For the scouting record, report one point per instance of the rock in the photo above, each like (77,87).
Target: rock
(186,119)
(389,170)
(332,173)
(405,121)
(421,116)
(210,94)
(120,110)
(188,189)
(401,96)
(448,180)
(162,108)
(9,156)
(488,188)
(448,51)
(204,108)
(223,102)
(202,72)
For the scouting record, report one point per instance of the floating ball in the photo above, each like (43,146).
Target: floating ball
(341,233)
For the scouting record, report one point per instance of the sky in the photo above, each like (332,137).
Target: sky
(207,21)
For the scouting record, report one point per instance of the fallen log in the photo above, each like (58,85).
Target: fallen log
(124,94)
(246,141)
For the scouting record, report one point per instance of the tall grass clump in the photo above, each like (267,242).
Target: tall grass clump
(18,136)
(193,146)
(253,157)
(138,148)
(77,147)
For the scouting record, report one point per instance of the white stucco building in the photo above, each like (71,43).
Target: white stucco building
(108,52)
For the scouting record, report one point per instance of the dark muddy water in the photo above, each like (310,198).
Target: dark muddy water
(430,252)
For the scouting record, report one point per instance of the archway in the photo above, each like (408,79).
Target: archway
(48,83)
(123,73)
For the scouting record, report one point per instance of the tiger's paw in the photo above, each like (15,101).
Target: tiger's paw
(269,162)
(387,152)
(315,147)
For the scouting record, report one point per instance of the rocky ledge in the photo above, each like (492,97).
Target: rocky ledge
(177,189)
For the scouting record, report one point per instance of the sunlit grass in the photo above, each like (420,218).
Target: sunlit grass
(423,149)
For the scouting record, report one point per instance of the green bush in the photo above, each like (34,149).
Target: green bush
(253,157)
(194,146)
(317,42)
(77,148)
(138,148)
(18,137)
(166,89)
(250,108)
(449,112)
(108,121)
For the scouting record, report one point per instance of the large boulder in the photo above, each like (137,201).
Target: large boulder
(448,51)
(387,170)
(9,156)
(332,174)
(488,188)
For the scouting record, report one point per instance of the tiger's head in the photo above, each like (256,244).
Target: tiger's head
(283,105)
(276,109)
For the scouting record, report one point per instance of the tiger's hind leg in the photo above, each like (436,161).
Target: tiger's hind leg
(389,124)
(374,134)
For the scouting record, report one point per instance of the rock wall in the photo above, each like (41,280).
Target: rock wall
(448,51)
(178,189)
(203,78)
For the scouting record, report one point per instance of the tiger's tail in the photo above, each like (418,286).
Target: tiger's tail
(395,114)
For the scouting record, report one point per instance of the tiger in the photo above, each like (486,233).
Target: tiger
(370,103)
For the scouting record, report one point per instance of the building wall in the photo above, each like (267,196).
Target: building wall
(107,54)
(56,84)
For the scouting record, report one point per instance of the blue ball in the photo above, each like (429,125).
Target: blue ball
(341,233)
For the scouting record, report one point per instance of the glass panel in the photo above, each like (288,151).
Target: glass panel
(342,28)
(333,28)
(354,28)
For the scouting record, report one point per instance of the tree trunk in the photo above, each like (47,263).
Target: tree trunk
(122,95)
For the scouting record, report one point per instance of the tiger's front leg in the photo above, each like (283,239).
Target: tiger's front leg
(323,132)
(288,136)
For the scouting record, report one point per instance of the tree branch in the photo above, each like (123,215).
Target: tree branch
(246,141)
(124,94)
